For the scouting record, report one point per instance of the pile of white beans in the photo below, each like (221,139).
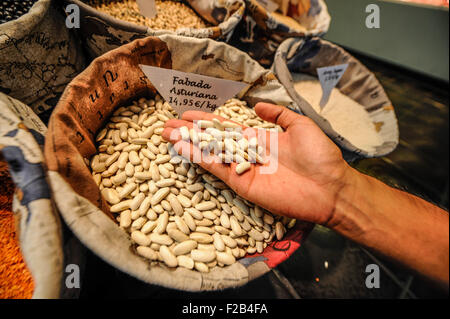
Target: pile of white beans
(177,213)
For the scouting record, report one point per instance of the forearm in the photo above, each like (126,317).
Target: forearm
(394,223)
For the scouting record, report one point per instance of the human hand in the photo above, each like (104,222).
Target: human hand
(310,172)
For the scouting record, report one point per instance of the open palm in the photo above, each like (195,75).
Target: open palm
(310,169)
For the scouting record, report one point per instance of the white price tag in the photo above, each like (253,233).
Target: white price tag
(329,76)
(147,8)
(269,5)
(189,91)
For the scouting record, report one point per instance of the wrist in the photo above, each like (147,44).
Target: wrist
(348,216)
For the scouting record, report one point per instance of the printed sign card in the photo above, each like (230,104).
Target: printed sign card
(329,77)
(189,91)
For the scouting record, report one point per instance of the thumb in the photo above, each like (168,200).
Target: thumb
(276,114)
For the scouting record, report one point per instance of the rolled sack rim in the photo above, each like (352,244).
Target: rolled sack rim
(90,12)
(389,130)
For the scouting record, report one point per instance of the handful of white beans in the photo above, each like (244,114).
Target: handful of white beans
(176,213)
(226,140)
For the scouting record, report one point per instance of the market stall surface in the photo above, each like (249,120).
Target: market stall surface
(328,265)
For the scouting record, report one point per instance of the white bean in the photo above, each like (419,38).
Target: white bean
(175,211)
(185,247)
(168,257)
(185,261)
(204,256)
(242,167)
(140,238)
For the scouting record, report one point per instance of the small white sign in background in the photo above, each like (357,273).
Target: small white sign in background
(189,91)
(147,8)
(329,77)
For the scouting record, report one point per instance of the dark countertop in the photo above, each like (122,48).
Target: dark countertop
(419,165)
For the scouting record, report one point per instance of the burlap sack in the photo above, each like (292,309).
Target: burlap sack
(113,80)
(305,56)
(21,139)
(261,32)
(103,32)
(39,56)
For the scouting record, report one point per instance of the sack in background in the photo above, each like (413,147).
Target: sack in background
(261,32)
(39,56)
(102,32)
(113,80)
(299,55)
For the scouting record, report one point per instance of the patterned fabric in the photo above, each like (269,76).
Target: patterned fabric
(21,144)
(36,62)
